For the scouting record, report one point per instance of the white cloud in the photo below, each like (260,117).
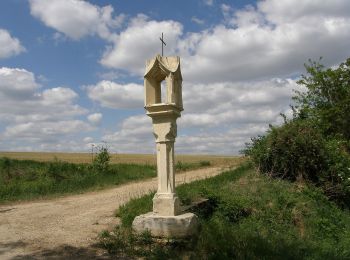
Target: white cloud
(197,20)
(252,43)
(58,96)
(17,82)
(59,37)
(95,118)
(88,140)
(287,11)
(9,46)
(48,105)
(260,43)
(114,95)
(44,131)
(226,10)
(134,135)
(32,117)
(211,97)
(109,75)
(229,104)
(140,41)
(208,2)
(23,102)
(76,18)
(220,117)
(229,141)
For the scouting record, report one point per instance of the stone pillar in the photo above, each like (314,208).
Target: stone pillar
(166,219)
(165,201)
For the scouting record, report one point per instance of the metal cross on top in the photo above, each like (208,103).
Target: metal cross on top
(163,43)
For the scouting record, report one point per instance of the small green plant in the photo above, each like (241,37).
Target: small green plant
(102,159)
(204,163)
(6,167)
(184,166)
(124,242)
(180,166)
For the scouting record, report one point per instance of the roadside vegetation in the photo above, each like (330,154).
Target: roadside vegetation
(28,179)
(185,166)
(314,145)
(247,216)
(25,179)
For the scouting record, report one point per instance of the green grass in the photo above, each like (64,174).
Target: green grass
(185,166)
(28,179)
(249,216)
(25,179)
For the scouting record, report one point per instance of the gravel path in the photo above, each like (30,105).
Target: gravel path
(66,228)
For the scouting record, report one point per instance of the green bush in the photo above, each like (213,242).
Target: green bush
(327,99)
(101,161)
(185,166)
(181,166)
(293,151)
(204,163)
(298,150)
(315,144)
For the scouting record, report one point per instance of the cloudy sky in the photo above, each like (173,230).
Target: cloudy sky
(71,71)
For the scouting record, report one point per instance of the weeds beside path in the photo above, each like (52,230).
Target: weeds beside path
(71,224)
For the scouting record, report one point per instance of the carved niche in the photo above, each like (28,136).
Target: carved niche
(157,70)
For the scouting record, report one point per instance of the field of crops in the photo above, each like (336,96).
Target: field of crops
(121,158)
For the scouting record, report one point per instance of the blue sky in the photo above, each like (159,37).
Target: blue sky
(71,71)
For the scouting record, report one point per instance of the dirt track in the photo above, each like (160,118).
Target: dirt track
(66,228)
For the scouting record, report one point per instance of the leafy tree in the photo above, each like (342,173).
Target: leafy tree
(327,99)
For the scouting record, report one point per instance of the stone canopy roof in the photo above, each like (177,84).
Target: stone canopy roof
(160,67)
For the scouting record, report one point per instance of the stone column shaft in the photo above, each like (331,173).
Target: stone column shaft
(165,164)
(165,201)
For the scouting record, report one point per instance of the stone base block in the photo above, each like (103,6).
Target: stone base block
(179,226)
(166,204)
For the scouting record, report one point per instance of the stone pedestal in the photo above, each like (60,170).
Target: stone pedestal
(166,219)
(180,226)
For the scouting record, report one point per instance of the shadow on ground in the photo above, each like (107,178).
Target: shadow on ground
(65,252)
(5,247)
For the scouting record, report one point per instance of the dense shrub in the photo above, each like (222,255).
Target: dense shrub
(315,144)
(101,161)
(298,150)
(294,150)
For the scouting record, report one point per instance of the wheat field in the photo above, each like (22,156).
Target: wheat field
(214,160)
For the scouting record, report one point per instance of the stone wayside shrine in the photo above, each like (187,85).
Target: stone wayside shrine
(167,219)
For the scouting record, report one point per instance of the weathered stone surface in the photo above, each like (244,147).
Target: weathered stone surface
(165,220)
(166,204)
(164,116)
(163,68)
(179,226)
